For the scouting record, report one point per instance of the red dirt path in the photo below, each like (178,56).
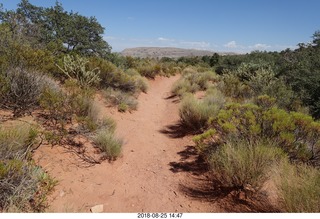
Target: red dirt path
(154,174)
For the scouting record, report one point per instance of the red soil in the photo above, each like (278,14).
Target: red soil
(157,172)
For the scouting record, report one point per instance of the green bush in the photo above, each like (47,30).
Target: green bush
(194,114)
(202,79)
(239,121)
(232,87)
(189,70)
(191,82)
(296,133)
(184,86)
(298,188)
(149,69)
(55,102)
(63,104)
(170,68)
(106,68)
(252,80)
(242,165)
(108,143)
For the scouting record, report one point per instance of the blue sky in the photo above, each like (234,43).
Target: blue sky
(217,25)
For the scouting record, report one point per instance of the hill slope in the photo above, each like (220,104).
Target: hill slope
(159,52)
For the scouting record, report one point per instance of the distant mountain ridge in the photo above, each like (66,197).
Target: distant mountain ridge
(171,52)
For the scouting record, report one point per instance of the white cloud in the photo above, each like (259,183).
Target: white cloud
(260,46)
(165,39)
(231,44)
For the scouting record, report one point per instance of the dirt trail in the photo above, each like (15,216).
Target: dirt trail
(156,164)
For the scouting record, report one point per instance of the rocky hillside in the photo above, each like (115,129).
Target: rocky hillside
(159,52)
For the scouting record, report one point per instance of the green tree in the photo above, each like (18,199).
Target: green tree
(316,38)
(214,59)
(76,33)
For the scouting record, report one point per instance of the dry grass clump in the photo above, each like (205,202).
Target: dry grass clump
(108,143)
(123,100)
(242,165)
(23,185)
(193,81)
(298,187)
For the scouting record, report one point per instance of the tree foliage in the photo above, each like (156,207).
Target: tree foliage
(72,31)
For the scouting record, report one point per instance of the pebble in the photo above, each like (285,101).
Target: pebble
(97,209)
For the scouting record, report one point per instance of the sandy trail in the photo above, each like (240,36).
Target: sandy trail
(147,178)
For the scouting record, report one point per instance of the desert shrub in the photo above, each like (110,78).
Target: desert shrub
(298,188)
(108,143)
(108,123)
(17,141)
(107,69)
(296,133)
(17,50)
(170,68)
(21,90)
(192,81)
(252,80)
(206,142)
(55,102)
(122,107)
(124,82)
(265,101)
(95,120)
(149,69)
(129,81)
(241,165)
(91,124)
(75,67)
(65,103)
(62,105)
(202,79)
(215,98)
(132,72)
(183,86)
(232,87)
(122,99)
(239,120)
(189,70)
(194,114)
(141,83)
(23,186)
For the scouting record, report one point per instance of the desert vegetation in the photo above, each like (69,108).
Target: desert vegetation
(52,69)
(258,123)
(254,118)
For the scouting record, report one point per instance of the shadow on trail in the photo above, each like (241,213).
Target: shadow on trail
(189,162)
(202,186)
(177,130)
(174,98)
